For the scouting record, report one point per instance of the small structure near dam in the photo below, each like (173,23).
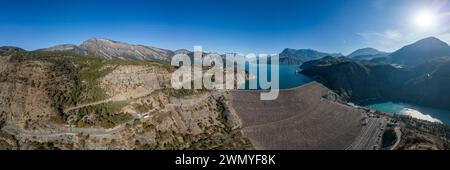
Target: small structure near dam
(310,117)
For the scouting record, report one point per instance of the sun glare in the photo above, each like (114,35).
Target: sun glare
(425,20)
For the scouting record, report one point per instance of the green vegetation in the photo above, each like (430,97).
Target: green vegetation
(74,79)
(104,115)
(178,93)
(214,137)
(143,108)
(90,71)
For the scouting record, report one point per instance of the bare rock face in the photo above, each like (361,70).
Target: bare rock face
(114,49)
(110,49)
(132,81)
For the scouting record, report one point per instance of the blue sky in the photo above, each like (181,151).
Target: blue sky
(257,26)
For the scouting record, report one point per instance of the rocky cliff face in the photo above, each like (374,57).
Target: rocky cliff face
(110,49)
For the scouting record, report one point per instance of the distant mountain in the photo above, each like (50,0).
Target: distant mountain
(182,51)
(65,48)
(294,56)
(9,49)
(420,52)
(367,54)
(114,49)
(365,51)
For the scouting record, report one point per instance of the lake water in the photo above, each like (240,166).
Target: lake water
(289,78)
(419,112)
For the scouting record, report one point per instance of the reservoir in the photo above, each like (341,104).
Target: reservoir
(289,78)
(419,112)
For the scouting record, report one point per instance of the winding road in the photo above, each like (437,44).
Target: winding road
(97,132)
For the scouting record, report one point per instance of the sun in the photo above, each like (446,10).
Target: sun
(425,19)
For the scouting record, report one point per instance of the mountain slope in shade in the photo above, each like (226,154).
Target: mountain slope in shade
(356,81)
(294,56)
(328,60)
(427,84)
(105,48)
(431,86)
(65,48)
(10,49)
(420,52)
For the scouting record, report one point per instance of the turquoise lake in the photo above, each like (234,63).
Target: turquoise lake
(289,78)
(419,112)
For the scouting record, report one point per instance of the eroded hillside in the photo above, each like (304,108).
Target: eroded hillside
(54,100)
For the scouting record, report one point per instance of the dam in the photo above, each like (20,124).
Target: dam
(310,117)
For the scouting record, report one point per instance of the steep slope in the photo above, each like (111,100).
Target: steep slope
(293,56)
(431,85)
(420,52)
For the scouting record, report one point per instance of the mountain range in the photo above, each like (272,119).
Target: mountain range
(423,79)
(109,49)
(409,56)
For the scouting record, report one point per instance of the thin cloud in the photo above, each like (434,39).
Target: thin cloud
(386,40)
